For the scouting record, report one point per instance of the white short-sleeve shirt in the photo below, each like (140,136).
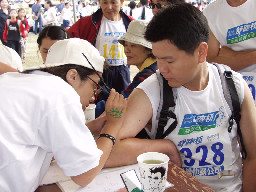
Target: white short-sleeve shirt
(41,116)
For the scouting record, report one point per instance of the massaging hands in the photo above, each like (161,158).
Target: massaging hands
(115,108)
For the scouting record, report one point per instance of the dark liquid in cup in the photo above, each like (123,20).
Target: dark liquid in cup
(152,161)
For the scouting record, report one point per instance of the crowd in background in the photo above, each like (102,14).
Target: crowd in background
(64,10)
(18,19)
(63,14)
(50,13)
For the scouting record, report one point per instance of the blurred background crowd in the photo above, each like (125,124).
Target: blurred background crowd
(56,11)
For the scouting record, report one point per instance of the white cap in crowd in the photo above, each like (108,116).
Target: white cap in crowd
(135,34)
(70,51)
(10,57)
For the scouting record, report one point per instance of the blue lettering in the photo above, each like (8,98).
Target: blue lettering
(203,171)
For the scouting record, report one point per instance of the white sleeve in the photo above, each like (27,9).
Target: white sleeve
(64,133)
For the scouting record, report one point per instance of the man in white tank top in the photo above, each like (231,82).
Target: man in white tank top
(233,36)
(207,149)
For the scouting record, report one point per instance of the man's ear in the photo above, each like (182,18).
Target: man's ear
(202,52)
(72,77)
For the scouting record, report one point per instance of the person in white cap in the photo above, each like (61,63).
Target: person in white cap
(41,115)
(10,57)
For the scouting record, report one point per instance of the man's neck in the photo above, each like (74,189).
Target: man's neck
(200,82)
(236,3)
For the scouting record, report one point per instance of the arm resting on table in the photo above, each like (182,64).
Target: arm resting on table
(127,149)
(125,152)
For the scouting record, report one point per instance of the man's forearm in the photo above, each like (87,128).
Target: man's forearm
(249,175)
(125,151)
(237,60)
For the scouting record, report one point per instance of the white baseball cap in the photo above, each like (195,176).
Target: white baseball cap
(70,51)
(10,57)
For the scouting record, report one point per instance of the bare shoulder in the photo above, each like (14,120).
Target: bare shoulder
(139,112)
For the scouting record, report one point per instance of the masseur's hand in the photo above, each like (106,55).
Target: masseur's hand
(115,109)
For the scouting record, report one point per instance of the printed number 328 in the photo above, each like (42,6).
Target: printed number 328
(216,148)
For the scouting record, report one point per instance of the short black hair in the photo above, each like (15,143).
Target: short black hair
(143,2)
(132,4)
(52,32)
(182,24)
(50,3)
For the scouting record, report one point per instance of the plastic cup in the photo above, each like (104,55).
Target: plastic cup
(89,112)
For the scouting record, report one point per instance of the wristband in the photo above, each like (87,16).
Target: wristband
(108,136)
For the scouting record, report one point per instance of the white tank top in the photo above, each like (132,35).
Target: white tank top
(201,135)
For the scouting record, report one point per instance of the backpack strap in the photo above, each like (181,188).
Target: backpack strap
(164,112)
(231,96)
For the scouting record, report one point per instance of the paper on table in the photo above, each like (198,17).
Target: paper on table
(108,180)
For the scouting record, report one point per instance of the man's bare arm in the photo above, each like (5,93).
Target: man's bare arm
(237,60)
(127,149)
(248,128)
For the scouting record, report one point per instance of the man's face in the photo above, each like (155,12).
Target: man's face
(155,181)
(178,67)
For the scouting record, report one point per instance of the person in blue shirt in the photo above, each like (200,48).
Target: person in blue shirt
(36,10)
